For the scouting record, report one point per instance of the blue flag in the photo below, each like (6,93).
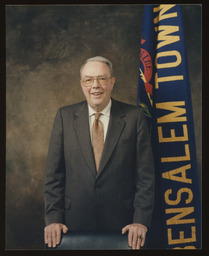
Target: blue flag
(164,94)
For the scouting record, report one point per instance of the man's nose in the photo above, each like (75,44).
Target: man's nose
(95,84)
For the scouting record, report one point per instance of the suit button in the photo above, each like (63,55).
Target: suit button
(98,186)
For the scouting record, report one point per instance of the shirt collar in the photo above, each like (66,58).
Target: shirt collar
(105,111)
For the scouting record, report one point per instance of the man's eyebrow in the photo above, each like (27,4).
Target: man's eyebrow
(95,76)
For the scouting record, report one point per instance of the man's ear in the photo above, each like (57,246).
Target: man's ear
(113,79)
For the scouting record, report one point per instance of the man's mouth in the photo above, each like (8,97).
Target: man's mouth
(97,93)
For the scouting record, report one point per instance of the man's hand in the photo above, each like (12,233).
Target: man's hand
(136,235)
(52,233)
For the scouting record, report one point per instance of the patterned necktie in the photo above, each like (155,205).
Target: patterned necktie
(97,139)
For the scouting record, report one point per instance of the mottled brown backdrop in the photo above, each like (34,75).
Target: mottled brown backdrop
(45,46)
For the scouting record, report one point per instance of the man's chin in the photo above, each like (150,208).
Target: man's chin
(97,105)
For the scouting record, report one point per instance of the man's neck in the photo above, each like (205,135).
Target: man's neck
(99,108)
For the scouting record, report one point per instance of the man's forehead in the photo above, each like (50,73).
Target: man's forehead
(103,75)
(91,67)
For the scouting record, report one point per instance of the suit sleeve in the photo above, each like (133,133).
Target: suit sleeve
(55,175)
(145,180)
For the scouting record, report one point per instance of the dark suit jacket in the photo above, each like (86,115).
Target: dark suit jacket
(122,191)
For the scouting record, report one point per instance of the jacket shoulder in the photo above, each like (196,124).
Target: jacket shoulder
(126,107)
(72,108)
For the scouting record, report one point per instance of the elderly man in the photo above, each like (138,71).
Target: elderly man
(99,174)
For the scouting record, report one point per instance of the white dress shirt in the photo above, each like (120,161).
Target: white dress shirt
(104,118)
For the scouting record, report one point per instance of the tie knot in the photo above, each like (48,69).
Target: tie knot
(97,115)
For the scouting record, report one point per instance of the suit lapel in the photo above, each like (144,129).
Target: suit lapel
(81,122)
(116,126)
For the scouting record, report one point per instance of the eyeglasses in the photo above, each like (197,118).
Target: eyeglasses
(102,80)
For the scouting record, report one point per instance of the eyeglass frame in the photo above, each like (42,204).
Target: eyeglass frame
(96,78)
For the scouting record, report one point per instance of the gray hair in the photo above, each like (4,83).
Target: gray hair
(100,59)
